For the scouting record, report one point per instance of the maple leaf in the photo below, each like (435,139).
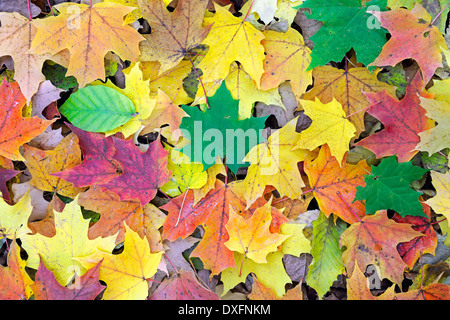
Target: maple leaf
(441,201)
(16,35)
(16,130)
(185,174)
(374,240)
(42,164)
(402,121)
(412,37)
(212,212)
(82,33)
(388,187)
(46,287)
(212,172)
(243,88)
(329,125)
(231,39)
(412,250)
(433,291)
(144,220)
(271,274)
(98,165)
(174,34)
(347,87)
(327,263)
(437,138)
(251,236)
(357,288)
(5,175)
(183,286)
(127,273)
(221,118)
(170,81)
(334,185)
(261,292)
(284,52)
(143,172)
(346,26)
(15,283)
(14,218)
(70,241)
(164,112)
(275,163)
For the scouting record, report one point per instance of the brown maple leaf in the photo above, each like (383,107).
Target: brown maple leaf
(174,34)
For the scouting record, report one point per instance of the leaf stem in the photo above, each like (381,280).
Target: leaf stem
(421,272)
(171,263)
(439,14)
(248,12)
(181,208)
(363,109)
(348,206)
(50,6)
(29,10)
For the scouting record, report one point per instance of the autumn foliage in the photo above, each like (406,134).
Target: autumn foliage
(194,149)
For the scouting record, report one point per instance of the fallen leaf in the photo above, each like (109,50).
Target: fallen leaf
(15,129)
(374,240)
(127,273)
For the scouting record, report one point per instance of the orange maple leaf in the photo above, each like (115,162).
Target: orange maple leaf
(15,130)
(335,187)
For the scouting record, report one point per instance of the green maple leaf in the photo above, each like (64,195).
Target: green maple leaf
(217,132)
(346,25)
(389,187)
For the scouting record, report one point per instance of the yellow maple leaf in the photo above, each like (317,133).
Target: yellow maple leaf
(271,274)
(185,174)
(213,171)
(287,59)
(164,112)
(16,35)
(274,163)
(441,201)
(70,241)
(329,125)
(438,137)
(126,274)
(297,243)
(81,29)
(136,13)
(347,87)
(14,219)
(229,40)
(42,164)
(251,236)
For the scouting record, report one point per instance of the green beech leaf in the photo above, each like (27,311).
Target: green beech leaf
(389,187)
(97,109)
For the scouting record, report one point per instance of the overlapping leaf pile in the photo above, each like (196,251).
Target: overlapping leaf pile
(271,149)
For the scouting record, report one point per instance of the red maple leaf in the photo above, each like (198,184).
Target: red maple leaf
(86,287)
(143,172)
(402,121)
(98,165)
